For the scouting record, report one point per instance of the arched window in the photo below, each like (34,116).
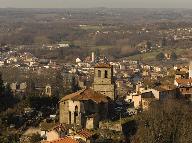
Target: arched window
(106,74)
(76,108)
(99,73)
(69,117)
(75,114)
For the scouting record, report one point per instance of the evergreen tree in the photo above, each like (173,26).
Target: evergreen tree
(2,88)
(173,56)
(160,56)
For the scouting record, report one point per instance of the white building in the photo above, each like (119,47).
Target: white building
(190,70)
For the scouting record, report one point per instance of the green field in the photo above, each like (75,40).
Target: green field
(150,56)
(91,27)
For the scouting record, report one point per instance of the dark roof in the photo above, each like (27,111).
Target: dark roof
(53,126)
(47,126)
(147,95)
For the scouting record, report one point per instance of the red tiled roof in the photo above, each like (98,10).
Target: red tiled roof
(85,133)
(86,94)
(61,127)
(63,140)
(184,81)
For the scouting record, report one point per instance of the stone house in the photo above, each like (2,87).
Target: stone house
(143,100)
(85,108)
(161,93)
(63,140)
(85,136)
(184,87)
(52,131)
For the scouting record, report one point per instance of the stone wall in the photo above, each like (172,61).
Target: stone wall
(103,79)
(68,107)
(107,90)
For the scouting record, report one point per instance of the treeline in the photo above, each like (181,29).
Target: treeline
(169,121)
(7,99)
(39,33)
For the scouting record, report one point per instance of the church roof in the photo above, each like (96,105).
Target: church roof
(103,65)
(86,94)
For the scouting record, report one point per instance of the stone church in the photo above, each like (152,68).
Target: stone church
(103,80)
(89,106)
(84,108)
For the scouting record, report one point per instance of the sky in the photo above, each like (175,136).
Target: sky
(96,3)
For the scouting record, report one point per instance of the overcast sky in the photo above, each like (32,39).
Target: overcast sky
(96,3)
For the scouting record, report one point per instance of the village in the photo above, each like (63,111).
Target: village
(95,76)
(102,95)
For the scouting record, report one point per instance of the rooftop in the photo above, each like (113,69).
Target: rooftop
(85,133)
(63,140)
(184,81)
(86,94)
(103,65)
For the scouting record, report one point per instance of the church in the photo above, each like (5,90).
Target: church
(84,108)
(87,107)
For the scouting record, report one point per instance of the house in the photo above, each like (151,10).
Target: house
(63,140)
(184,87)
(63,45)
(181,82)
(52,131)
(143,97)
(25,137)
(84,135)
(143,100)
(163,92)
(85,108)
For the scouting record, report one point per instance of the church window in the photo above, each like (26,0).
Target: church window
(69,117)
(99,73)
(106,74)
(76,109)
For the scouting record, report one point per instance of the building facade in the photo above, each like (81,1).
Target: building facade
(84,108)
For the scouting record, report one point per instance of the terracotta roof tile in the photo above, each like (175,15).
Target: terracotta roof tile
(184,81)
(63,140)
(86,94)
(85,133)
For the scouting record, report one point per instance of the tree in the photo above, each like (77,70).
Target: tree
(35,138)
(74,84)
(173,56)
(2,88)
(167,121)
(160,56)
